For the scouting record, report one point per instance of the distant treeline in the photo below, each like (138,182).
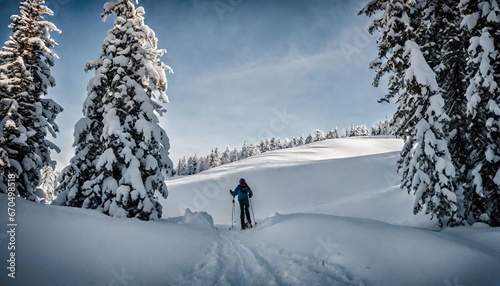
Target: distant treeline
(194,164)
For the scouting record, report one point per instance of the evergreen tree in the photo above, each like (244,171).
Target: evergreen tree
(203,164)
(245,151)
(215,158)
(274,144)
(319,135)
(482,192)
(382,128)
(351,131)
(192,165)
(179,167)
(300,140)
(394,28)
(182,167)
(444,45)
(376,130)
(332,134)
(430,173)
(26,115)
(425,162)
(73,188)
(287,143)
(253,150)
(264,146)
(309,139)
(359,130)
(226,156)
(235,155)
(48,183)
(131,158)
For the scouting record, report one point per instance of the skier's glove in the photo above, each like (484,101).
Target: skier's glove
(233,201)
(231,192)
(251,195)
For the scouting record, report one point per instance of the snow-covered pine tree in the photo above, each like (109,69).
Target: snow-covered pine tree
(431,172)
(264,146)
(358,130)
(425,162)
(300,140)
(482,193)
(248,150)
(73,188)
(309,139)
(245,151)
(129,160)
(27,116)
(253,150)
(48,183)
(275,144)
(376,130)
(451,77)
(287,143)
(444,45)
(234,156)
(134,162)
(393,24)
(13,138)
(203,164)
(332,134)
(179,167)
(226,156)
(319,135)
(382,128)
(215,158)
(192,165)
(182,167)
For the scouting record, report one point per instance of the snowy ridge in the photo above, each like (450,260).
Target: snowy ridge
(344,221)
(334,177)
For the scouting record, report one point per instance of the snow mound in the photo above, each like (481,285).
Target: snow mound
(197,218)
(377,252)
(70,246)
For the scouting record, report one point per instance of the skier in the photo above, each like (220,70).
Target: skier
(243,192)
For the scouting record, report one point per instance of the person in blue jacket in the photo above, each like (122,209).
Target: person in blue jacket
(243,192)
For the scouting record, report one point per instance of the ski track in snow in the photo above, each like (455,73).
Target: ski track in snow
(235,260)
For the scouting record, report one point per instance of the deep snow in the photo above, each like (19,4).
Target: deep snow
(342,221)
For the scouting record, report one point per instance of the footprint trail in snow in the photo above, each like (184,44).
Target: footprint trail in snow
(235,260)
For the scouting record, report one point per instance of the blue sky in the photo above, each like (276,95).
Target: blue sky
(244,70)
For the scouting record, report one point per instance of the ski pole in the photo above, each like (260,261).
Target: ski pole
(251,207)
(232,216)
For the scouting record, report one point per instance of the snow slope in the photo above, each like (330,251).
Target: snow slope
(349,177)
(342,221)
